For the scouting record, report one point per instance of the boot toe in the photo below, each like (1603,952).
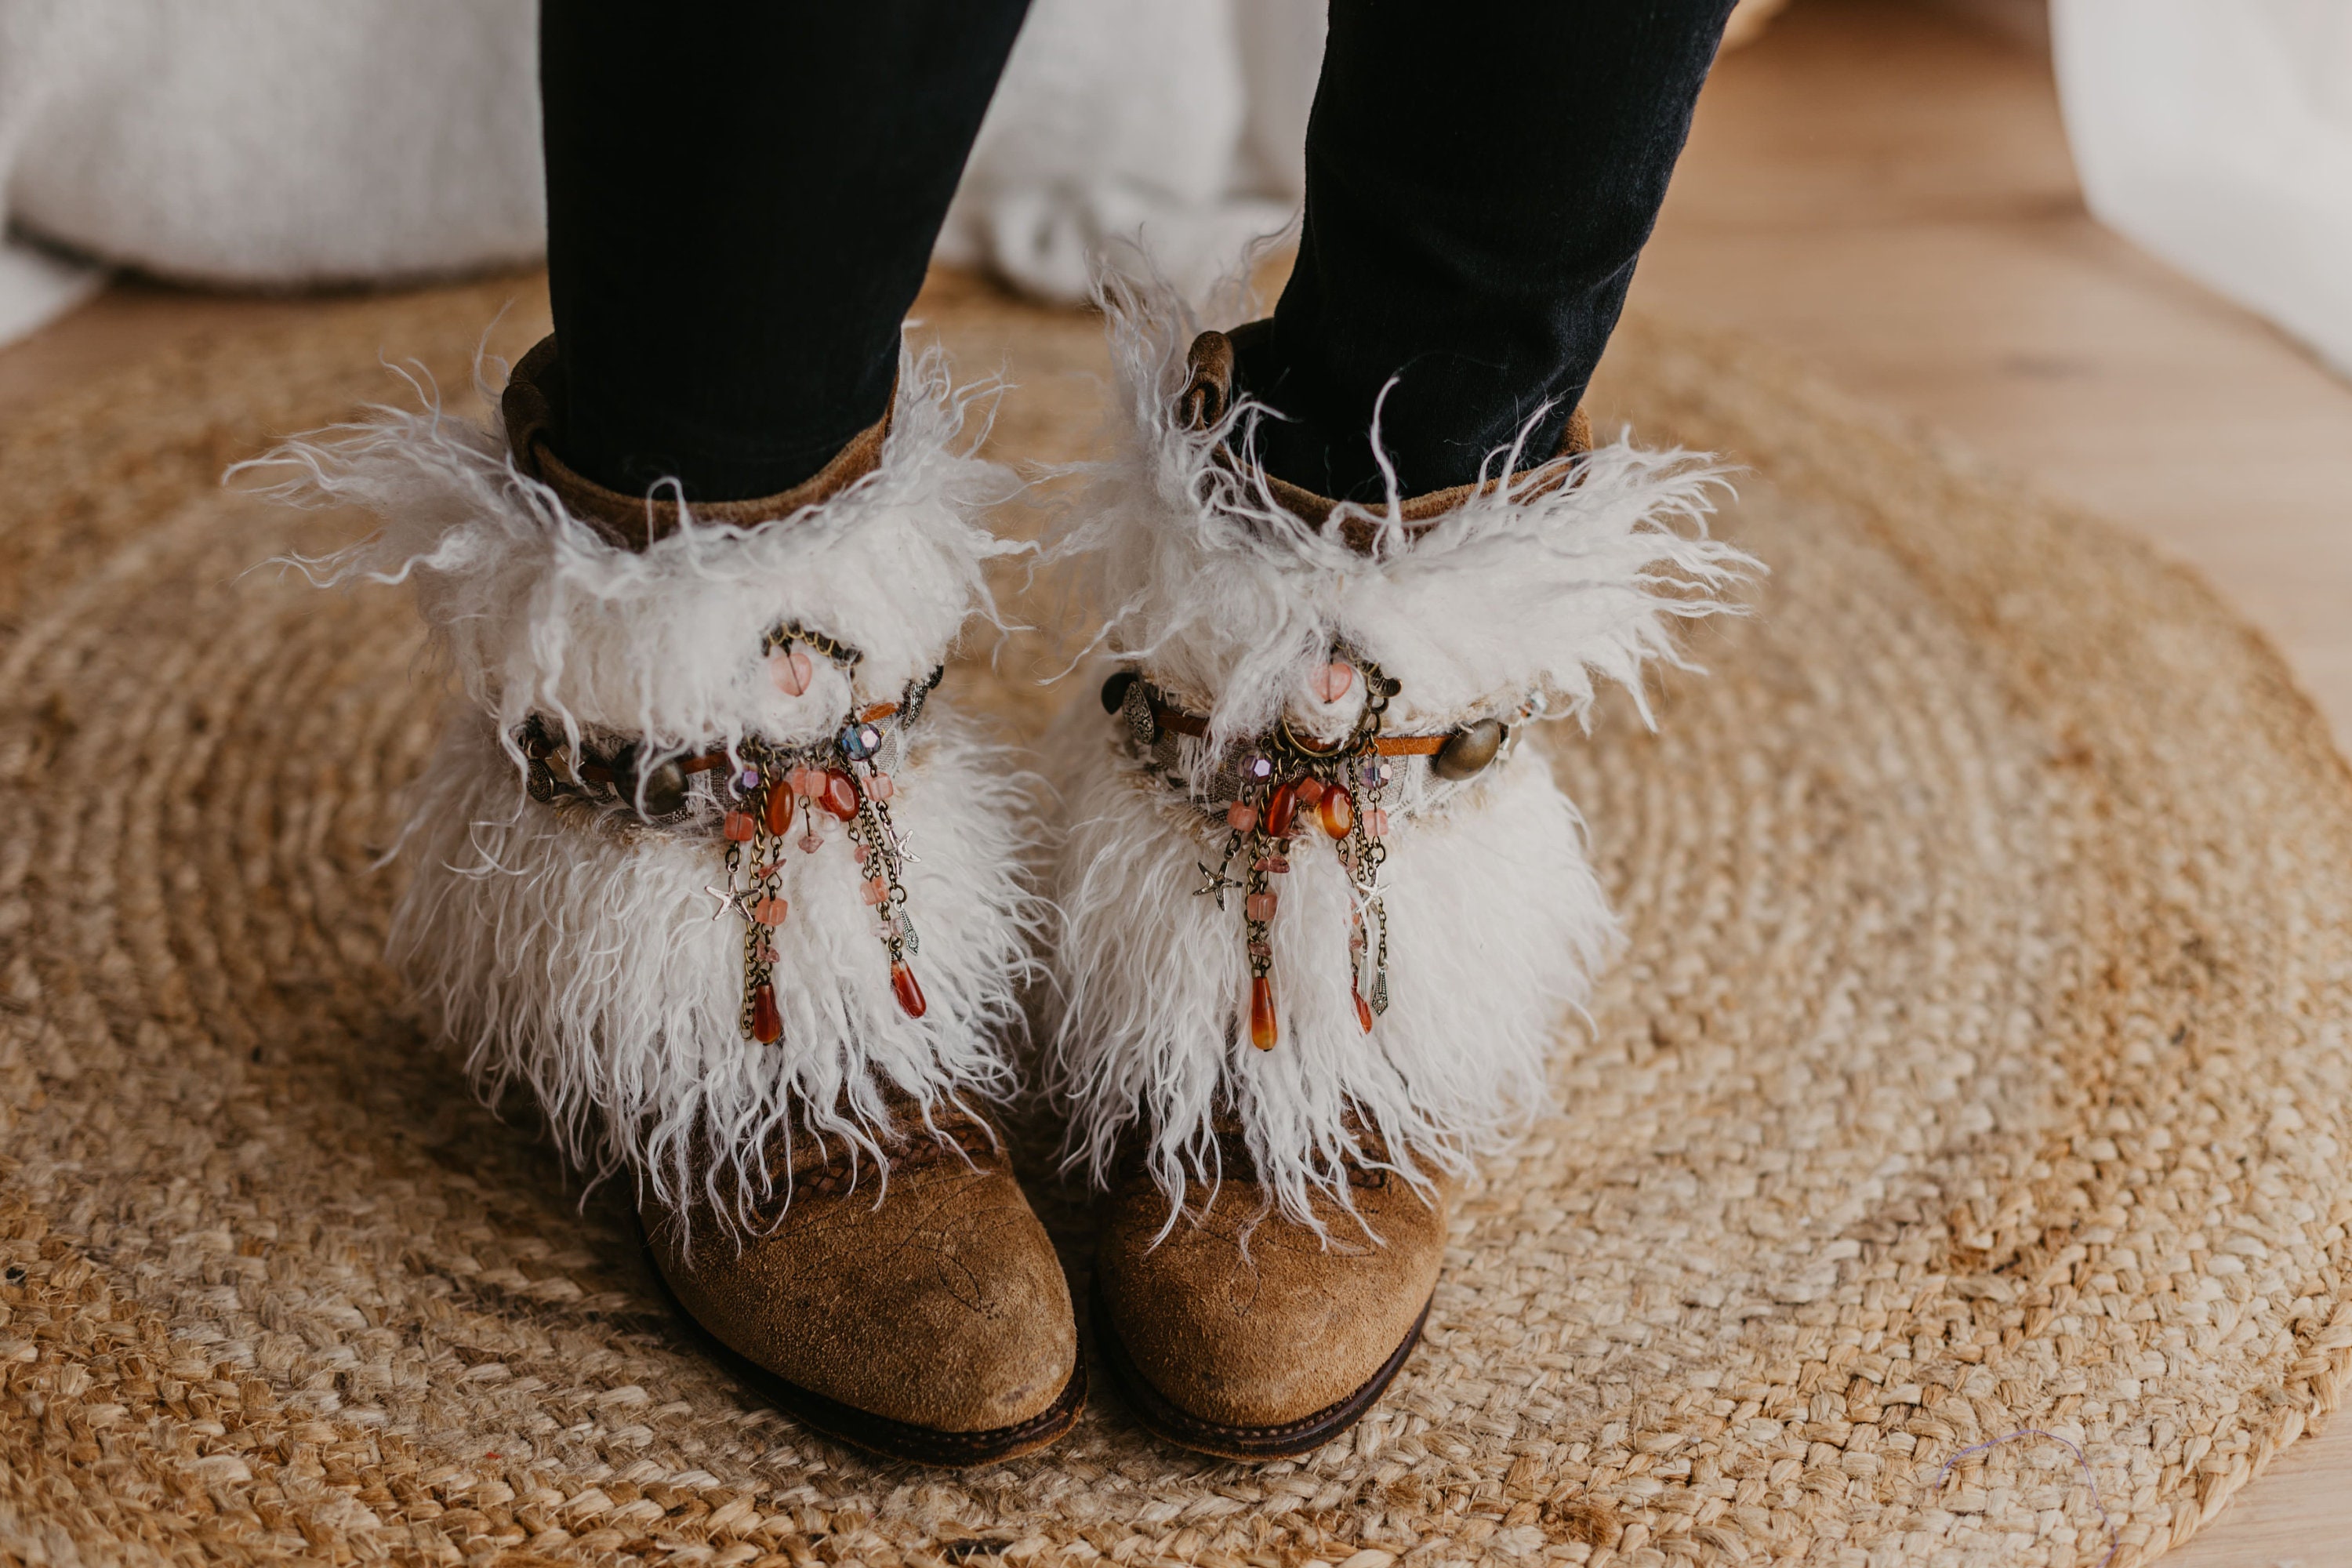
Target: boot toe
(943,1308)
(1265,1327)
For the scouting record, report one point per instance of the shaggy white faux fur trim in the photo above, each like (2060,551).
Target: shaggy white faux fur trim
(1520,602)
(583,962)
(538,613)
(584,966)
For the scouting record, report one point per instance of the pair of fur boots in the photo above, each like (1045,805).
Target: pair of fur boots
(706,867)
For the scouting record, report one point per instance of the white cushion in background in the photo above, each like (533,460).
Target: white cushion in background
(1178,120)
(290,143)
(277,141)
(2218,135)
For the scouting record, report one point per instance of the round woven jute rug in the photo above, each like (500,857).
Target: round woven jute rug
(1953,1171)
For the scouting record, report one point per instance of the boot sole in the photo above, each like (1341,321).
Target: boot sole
(1171,1423)
(879,1435)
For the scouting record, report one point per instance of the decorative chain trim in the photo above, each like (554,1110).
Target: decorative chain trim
(1284,783)
(760,790)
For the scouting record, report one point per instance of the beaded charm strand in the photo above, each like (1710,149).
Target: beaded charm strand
(1287,783)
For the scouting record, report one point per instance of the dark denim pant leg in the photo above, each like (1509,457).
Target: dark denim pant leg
(1481,176)
(742,196)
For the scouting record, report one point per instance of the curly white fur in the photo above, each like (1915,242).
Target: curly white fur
(540,613)
(582,961)
(1521,601)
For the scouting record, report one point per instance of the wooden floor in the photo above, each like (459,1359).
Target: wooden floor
(1884,191)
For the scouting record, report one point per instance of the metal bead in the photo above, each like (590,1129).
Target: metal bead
(1113,690)
(1135,703)
(664,790)
(1468,750)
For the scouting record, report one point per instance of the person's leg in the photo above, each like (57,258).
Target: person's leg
(1480,176)
(1321,908)
(659,867)
(742,198)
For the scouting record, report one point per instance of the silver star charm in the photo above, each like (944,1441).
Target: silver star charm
(898,842)
(1213,882)
(729,899)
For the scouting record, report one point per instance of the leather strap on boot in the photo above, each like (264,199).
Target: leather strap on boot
(532,406)
(1209,393)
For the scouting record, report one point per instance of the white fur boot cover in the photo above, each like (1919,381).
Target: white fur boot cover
(579,956)
(1511,607)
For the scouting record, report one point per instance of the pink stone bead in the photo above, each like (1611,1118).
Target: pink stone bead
(740,826)
(861,852)
(876,889)
(880,788)
(1331,682)
(1261,906)
(1241,817)
(770,911)
(1377,824)
(810,842)
(1311,790)
(789,668)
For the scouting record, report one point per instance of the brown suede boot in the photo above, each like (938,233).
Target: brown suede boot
(664,879)
(1244,1334)
(921,1314)
(1324,916)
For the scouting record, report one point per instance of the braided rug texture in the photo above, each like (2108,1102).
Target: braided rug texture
(1977,1066)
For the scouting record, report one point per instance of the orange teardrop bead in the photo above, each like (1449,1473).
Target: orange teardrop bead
(767,1023)
(910,995)
(1336,811)
(840,795)
(1266,1029)
(780,810)
(1281,807)
(1363,1011)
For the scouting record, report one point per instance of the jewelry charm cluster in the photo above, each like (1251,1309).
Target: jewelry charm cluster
(1288,787)
(842,777)
(758,791)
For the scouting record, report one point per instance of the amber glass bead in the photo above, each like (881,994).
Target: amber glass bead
(1282,809)
(767,1023)
(779,810)
(1266,1029)
(910,995)
(1336,811)
(840,796)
